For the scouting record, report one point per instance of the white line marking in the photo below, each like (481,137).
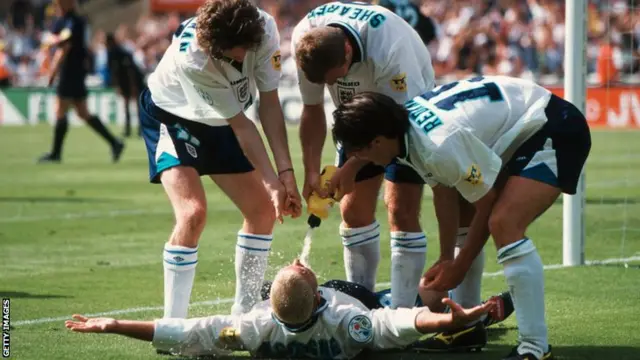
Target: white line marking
(230,300)
(84,215)
(118,312)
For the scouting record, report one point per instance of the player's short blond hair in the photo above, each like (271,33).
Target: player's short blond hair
(320,50)
(292,297)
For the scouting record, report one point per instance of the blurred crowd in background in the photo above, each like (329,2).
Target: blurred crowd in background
(523,38)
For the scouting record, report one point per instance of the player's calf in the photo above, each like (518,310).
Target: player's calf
(180,255)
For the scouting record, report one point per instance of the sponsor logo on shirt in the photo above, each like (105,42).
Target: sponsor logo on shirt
(242,89)
(474,175)
(345,93)
(276,61)
(399,82)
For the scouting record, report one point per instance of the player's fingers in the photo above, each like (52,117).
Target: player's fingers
(454,306)
(80,317)
(479,310)
(70,324)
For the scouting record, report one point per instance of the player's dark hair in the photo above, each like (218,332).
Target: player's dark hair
(366,116)
(320,50)
(225,24)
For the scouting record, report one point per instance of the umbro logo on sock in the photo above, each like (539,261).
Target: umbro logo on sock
(178,258)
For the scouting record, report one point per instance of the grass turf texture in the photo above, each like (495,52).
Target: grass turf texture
(87,236)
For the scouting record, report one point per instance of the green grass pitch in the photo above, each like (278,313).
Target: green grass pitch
(86,237)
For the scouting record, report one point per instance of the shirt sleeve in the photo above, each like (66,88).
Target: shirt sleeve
(193,337)
(312,94)
(468,164)
(268,59)
(401,73)
(382,329)
(208,97)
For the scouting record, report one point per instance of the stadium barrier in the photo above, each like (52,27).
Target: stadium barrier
(615,107)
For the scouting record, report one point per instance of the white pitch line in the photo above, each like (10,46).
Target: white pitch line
(230,300)
(85,215)
(118,312)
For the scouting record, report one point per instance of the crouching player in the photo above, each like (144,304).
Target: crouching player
(300,320)
(193,123)
(506,145)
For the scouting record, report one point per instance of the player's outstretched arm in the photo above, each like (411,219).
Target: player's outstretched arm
(189,337)
(141,330)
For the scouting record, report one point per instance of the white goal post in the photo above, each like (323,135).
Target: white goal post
(575,66)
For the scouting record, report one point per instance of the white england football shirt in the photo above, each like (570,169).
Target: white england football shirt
(190,84)
(343,328)
(461,133)
(389,56)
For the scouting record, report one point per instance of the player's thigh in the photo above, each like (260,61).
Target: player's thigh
(403,197)
(250,196)
(186,194)
(359,207)
(62,106)
(531,186)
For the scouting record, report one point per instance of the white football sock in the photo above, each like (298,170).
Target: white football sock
(408,256)
(179,271)
(361,254)
(467,294)
(252,253)
(525,276)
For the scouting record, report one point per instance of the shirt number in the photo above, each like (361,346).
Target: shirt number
(489,90)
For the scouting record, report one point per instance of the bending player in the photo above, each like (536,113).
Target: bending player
(193,125)
(508,146)
(356,47)
(299,320)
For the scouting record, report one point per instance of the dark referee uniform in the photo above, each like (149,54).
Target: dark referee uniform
(75,66)
(125,75)
(410,12)
(71,29)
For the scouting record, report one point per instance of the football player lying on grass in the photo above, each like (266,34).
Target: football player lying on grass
(300,319)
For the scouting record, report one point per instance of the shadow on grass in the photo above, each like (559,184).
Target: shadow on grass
(25,295)
(492,352)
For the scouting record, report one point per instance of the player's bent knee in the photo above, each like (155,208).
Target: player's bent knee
(260,218)
(192,217)
(352,218)
(504,227)
(403,218)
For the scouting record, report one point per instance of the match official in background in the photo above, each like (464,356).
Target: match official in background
(71,63)
(409,10)
(126,77)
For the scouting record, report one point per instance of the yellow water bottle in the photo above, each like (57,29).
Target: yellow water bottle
(317,207)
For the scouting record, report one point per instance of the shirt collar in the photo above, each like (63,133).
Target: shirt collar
(322,306)
(404,147)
